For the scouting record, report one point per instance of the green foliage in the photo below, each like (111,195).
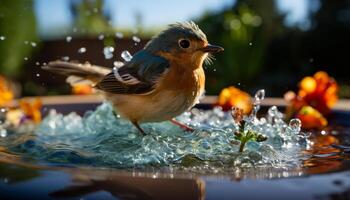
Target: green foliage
(17,25)
(90,18)
(244,32)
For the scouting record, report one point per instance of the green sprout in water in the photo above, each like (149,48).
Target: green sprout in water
(242,135)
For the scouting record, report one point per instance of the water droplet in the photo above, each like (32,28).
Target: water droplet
(259,96)
(3,110)
(2,37)
(272,111)
(26,42)
(37,75)
(3,132)
(115,72)
(307,134)
(250,44)
(214,69)
(65,58)
(82,50)
(44,63)
(323,132)
(136,39)
(295,125)
(69,38)
(101,37)
(25,58)
(119,35)
(37,63)
(33,44)
(118,64)
(126,56)
(108,52)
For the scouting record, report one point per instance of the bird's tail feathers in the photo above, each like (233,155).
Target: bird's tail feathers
(78,73)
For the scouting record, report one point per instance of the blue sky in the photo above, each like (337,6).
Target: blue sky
(55,14)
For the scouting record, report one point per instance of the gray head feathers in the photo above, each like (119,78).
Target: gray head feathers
(168,39)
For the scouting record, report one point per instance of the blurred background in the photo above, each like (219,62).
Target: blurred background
(268,44)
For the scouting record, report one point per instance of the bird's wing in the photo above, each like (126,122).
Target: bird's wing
(138,76)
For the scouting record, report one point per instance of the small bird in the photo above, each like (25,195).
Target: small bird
(161,81)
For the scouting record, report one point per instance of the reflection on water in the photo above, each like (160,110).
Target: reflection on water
(22,181)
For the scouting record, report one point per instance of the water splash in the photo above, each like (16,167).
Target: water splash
(69,38)
(82,50)
(102,138)
(65,58)
(108,52)
(119,35)
(101,37)
(136,39)
(126,56)
(2,37)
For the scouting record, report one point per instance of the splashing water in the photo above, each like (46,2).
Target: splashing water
(108,52)
(102,138)
(101,37)
(82,50)
(136,39)
(126,56)
(2,37)
(69,38)
(65,58)
(119,35)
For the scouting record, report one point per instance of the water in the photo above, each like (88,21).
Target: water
(119,35)
(101,138)
(136,39)
(69,38)
(82,50)
(101,37)
(108,52)
(65,58)
(126,56)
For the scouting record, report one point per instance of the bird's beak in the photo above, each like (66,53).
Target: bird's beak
(212,49)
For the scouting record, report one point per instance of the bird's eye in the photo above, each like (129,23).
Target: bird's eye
(183,43)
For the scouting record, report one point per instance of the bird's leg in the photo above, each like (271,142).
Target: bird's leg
(181,125)
(139,128)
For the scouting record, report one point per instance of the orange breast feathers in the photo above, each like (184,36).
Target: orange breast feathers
(189,82)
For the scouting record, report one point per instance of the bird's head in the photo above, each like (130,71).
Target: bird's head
(183,43)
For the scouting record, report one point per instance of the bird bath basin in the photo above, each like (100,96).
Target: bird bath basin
(92,155)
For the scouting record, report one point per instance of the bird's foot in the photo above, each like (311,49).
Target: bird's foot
(181,125)
(139,128)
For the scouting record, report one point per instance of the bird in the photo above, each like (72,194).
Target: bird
(160,82)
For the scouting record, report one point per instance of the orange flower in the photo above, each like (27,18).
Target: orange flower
(319,91)
(311,118)
(234,97)
(82,89)
(314,100)
(31,110)
(6,94)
